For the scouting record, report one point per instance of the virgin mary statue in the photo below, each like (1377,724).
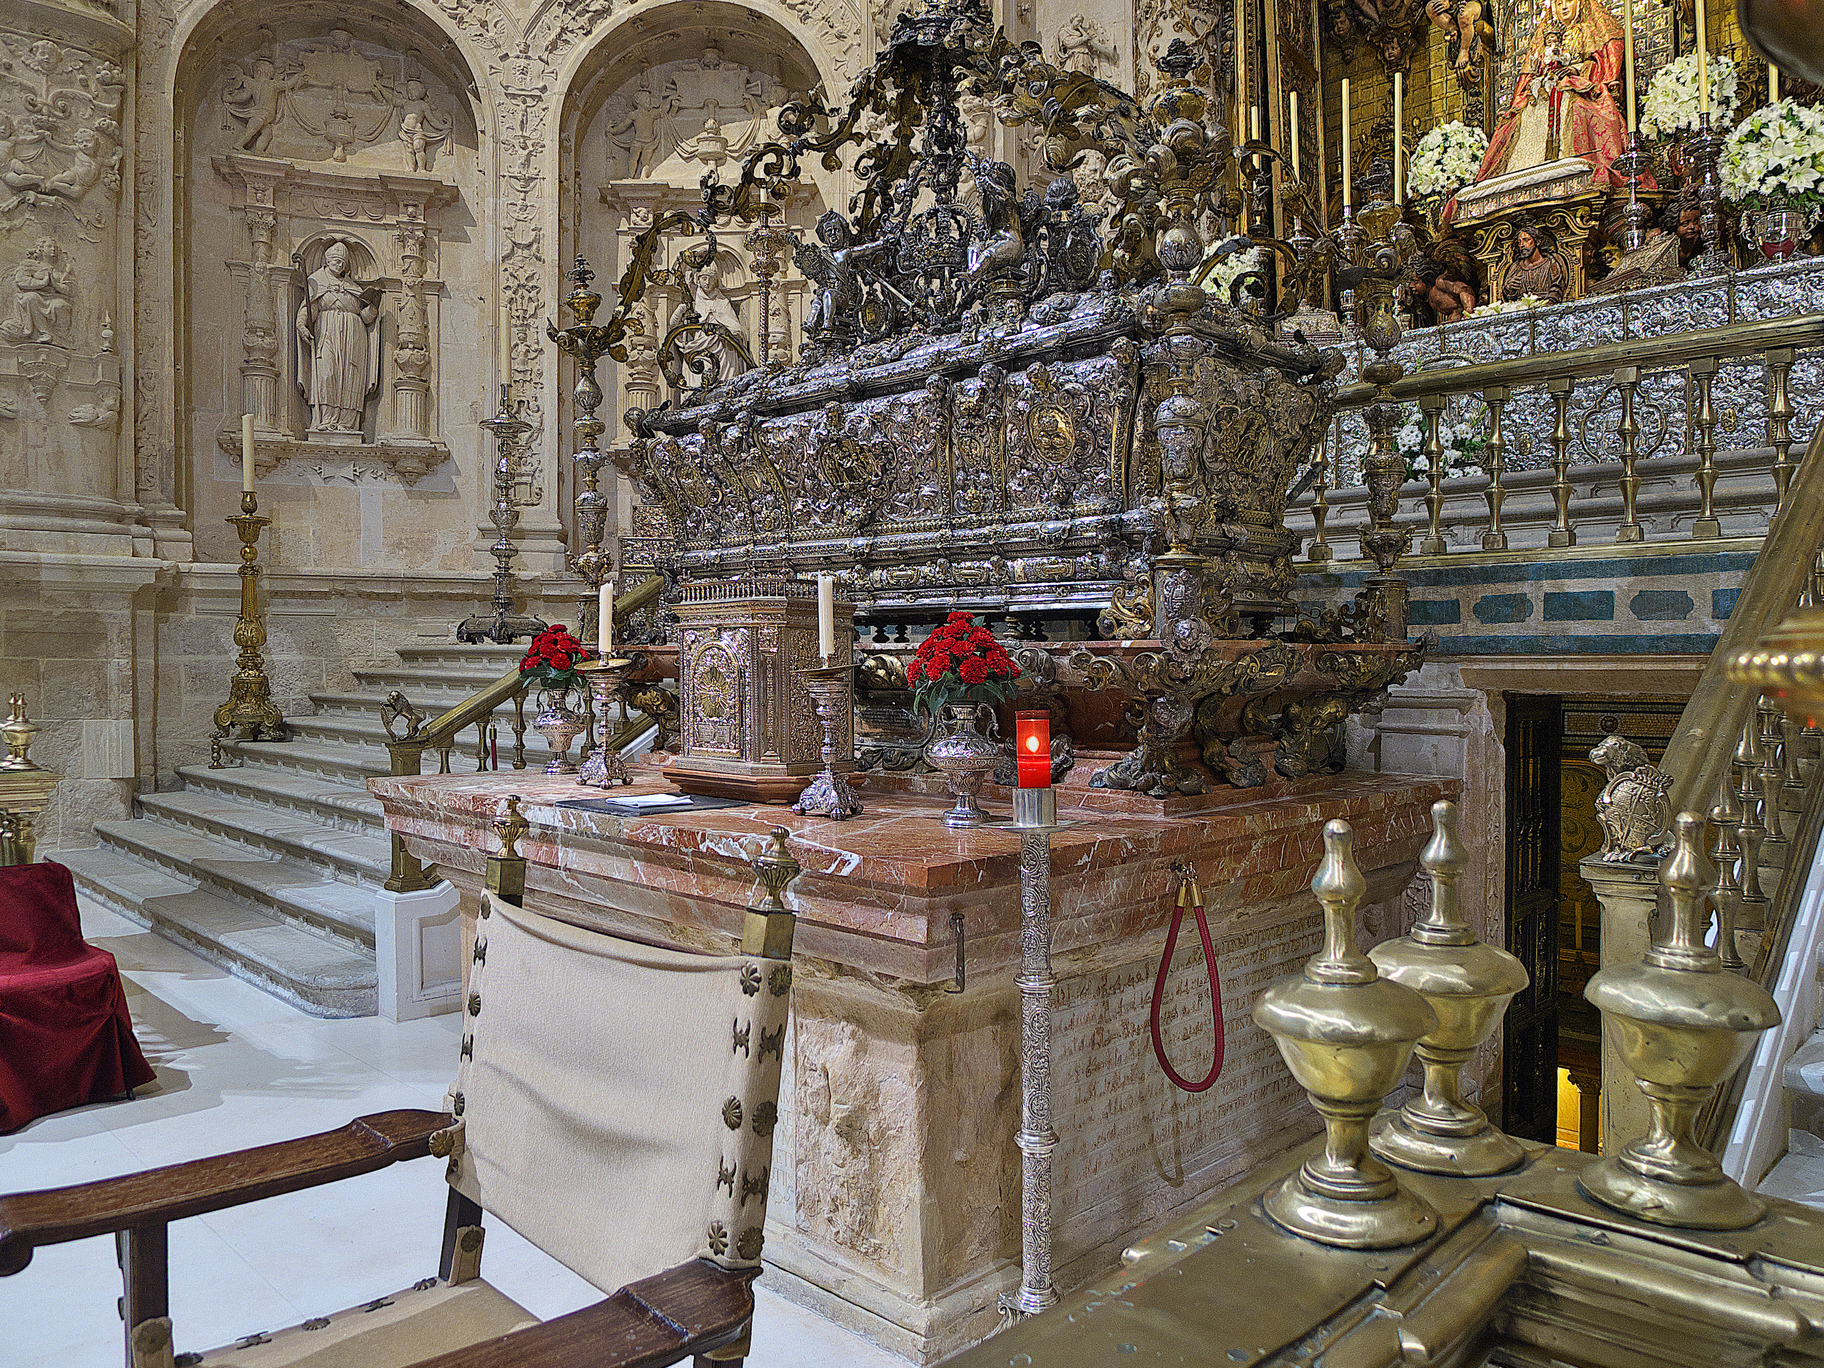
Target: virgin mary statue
(1563,103)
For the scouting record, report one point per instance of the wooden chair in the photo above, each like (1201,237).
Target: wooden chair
(614,1104)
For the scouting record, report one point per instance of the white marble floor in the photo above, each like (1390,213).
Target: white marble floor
(237,1067)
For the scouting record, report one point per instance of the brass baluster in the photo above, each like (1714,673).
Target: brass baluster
(1749,832)
(1703,380)
(481,745)
(1798,772)
(443,758)
(1495,462)
(1560,388)
(1432,406)
(1780,414)
(1771,776)
(1320,498)
(1728,894)
(519,730)
(1627,382)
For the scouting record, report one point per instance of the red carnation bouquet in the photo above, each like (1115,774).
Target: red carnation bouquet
(552,658)
(960,662)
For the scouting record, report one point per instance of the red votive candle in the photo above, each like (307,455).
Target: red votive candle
(1032,740)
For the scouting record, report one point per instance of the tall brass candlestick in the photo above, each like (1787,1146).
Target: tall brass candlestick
(250,702)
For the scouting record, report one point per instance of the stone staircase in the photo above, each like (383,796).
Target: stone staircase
(268,868)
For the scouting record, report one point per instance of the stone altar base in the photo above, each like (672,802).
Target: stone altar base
(896,1190)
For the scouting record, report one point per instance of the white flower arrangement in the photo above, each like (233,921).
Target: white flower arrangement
(1671,106)
(1446,159)
(1231,268)
(1776,156)
(1506,306)
(1463,444)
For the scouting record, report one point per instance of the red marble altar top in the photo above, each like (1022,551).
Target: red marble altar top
(877,890)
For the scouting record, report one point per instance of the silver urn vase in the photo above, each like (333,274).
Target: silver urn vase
(966,758)
(560,725)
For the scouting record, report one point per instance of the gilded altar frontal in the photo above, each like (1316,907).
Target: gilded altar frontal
(881,682)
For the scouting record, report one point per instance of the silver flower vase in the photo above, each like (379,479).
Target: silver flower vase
(966,758)
(560,724)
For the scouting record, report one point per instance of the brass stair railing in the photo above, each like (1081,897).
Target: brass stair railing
(440,735)
(1735,756)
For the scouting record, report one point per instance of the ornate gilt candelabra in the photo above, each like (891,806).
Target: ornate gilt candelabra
(1373,247)
(607,678)
(768,242)
(1705,148)
(25,786)
(250,704)
(829,794)
(509,429)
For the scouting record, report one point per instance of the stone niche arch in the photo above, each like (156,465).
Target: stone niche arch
(297,128)
(666,95)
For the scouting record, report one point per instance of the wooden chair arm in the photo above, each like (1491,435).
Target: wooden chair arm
(690,1309)
(53,1215)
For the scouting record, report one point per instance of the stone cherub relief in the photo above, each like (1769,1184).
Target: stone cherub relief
(1083,47)
(42,289)
(60,136)
(696,113)
(338,360)
(327,100)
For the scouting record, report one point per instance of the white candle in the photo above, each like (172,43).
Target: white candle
(1347,193)
(1703,61)
(1627,56)
(826,616)
(604,608)
(506,346)
(1773,84)
(1294,131)
(1399,138)
(246,453)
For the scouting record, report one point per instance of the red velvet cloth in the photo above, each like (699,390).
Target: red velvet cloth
(65,1035)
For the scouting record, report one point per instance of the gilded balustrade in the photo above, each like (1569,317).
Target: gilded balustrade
(1599,465)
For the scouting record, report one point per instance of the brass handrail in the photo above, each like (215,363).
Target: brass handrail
(1703,745)
(1656,353)
(406,752)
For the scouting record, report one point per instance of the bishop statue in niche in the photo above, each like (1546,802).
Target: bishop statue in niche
(338,361)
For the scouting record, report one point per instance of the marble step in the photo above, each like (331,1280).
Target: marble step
(317,974)
(347,765)
(418,684)
(284,889)
(342,807)
(347,856)
(1804,1080)
(366,707)
(447,654)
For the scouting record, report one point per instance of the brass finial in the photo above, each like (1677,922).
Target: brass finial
(510,826)
(18,730)
(1683,1026)
(768,928)
(1467,985)
(1347,1035)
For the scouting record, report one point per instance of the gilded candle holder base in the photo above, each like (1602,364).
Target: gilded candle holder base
(607,679)
(829,794)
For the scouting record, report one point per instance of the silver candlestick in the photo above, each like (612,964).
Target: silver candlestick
(607,679)
(505,626)
(829,794)
(1706,147)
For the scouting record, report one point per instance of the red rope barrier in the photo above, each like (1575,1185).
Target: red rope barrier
(1189,895)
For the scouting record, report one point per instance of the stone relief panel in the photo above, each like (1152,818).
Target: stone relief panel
(336,286)
(683,118)
(60,180)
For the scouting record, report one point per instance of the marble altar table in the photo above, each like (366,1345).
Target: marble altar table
(895,1195)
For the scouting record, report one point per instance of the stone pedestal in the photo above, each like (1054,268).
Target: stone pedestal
(896,1196)
(1629,893)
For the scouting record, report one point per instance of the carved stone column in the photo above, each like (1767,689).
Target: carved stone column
(66,468)
(412,345)
(1628,894)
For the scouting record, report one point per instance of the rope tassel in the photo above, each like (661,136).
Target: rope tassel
(1191,896)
